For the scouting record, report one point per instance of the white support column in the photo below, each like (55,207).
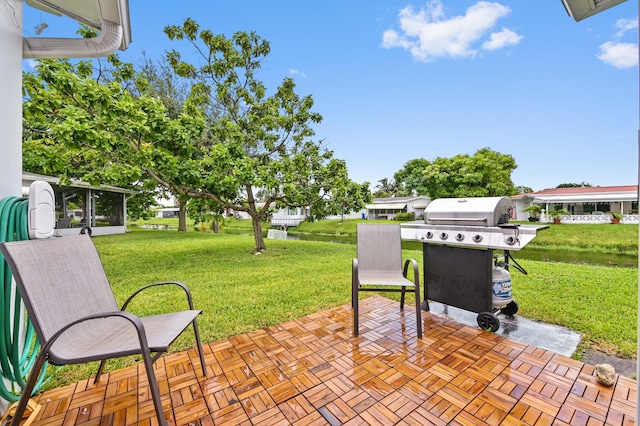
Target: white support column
(638,284)
(11,105)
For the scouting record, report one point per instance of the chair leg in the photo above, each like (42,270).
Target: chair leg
(99,372)
(26,392)
(153,387)
(199,345)
(418,312)
(354,303)
(402,297)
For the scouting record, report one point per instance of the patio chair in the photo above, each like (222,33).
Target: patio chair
(76,317)
(378,267)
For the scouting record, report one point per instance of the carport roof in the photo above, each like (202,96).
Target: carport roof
(587,194)
(389,206)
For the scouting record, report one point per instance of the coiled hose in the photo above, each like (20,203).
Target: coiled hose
(16,359)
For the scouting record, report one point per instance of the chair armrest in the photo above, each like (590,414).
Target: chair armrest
(177,283)
(354,271)
(134,320)
(416,272)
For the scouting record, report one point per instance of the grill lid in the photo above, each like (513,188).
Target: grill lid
(473,211)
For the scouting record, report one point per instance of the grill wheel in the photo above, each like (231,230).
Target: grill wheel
(488,321)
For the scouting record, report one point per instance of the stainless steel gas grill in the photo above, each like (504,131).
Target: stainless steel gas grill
(459,236)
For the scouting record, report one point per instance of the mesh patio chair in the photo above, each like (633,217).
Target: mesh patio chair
(378,267)
(76,317)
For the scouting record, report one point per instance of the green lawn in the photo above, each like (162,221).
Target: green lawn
(240,292)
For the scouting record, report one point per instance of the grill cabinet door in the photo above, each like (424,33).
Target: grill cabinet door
(459,277)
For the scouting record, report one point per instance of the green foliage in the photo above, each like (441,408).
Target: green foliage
(524,189)
(485,174)
(533,209)
(405,217)
(69,123)
(558,213)
(351,197)
(203,211)
(574,185)
(387,188)
(411,176)
(259,142)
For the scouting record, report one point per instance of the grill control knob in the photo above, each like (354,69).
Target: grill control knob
(477,238)
(510,240)
(444,236)
(459,237)
(429,235)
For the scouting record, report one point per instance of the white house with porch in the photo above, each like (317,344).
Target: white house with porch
(78,205)
(388,208)
(592,204)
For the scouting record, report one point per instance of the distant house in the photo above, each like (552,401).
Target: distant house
(291,216)
(584,204)
(167,212)
(388,208)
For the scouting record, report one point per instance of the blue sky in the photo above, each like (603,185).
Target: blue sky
(397,80)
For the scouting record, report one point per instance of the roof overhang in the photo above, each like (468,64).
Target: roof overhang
(28,178)
(110,17)
(586,198)
(387,206)
(581,9)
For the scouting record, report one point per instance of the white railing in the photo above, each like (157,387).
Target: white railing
(275,221)
(594,219)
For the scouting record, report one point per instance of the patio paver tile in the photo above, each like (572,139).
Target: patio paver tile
(312,371)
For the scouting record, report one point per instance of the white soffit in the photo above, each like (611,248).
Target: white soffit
(92,13)
(581,9)
(84,11)
(587,198)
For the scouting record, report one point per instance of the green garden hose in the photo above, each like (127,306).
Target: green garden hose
(16,359)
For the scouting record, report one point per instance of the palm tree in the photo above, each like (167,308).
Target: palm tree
(534,210)
(386,188)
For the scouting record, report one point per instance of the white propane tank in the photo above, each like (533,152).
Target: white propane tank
(501,283)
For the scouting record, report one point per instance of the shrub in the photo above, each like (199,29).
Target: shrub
(405,217)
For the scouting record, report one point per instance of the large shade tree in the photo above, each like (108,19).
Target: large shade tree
(486,173)
(44,153)
(257,142)
(260,142)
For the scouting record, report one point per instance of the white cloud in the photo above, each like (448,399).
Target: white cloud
(293,71)
(619,55)
(428,34)
(499,40)
(625,25)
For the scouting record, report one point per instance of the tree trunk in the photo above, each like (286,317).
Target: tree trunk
(182,215)
(256,220)
(257,233)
